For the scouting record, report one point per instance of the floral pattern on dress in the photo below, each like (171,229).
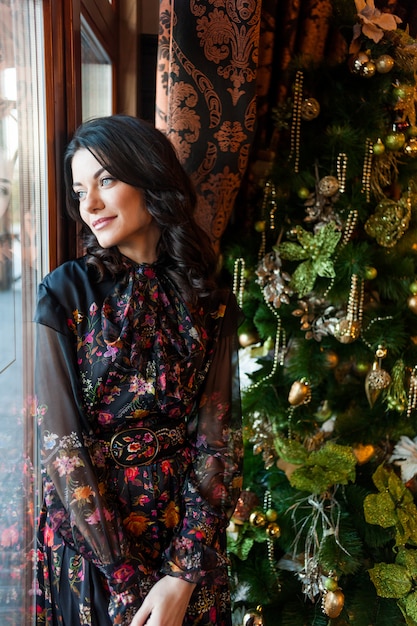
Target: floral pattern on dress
(132,353)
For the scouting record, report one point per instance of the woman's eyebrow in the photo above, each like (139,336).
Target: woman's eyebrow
(96,175)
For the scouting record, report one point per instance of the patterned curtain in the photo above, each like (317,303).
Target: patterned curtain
(206,96)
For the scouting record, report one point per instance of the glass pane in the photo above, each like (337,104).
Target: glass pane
(96,76)
(22,214)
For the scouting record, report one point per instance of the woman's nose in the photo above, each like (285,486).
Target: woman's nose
(92,201)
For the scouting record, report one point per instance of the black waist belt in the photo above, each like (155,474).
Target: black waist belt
(143,446)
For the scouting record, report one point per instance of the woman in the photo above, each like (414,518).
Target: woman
(138,398)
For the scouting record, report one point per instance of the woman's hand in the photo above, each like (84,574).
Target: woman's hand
(165,604)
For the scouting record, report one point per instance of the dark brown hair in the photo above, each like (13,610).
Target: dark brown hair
(138,154)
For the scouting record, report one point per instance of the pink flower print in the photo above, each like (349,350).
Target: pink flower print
(89,337)
(130,474)
(104,418)
(94,518)
(112,352)
(123,573)
(65,465)
(93,309)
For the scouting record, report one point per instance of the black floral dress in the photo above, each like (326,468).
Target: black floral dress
(140,442)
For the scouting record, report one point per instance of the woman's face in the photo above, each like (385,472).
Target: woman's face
(114,211)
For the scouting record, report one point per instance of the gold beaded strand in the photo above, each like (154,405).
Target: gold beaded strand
(295,136)
(341,166)
(367,170)
(412,392)
(239,279)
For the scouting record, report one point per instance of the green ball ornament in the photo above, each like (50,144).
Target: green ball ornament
(394,141)
(370,273)
(303,193)
(331,584)
(413,288)
(412,131)
(378,148)
(271,515)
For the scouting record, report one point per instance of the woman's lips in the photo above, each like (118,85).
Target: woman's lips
(102,222)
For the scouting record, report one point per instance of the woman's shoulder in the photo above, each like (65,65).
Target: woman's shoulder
(73,270)
(72,285)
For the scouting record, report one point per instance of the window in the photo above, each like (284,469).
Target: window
(22,261)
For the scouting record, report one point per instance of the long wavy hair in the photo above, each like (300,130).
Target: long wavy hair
(135,152)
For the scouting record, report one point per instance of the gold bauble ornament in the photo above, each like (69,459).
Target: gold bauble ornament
(273,530)
(333,603)
(384,63)
(412,304)
(257,519)
(300,393)
(328,186)
(253,617)
(310,109)
(368,69)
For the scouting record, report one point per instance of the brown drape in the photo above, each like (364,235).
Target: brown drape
(205,96)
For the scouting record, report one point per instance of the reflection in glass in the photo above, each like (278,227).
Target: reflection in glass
(96,75)
(22,205)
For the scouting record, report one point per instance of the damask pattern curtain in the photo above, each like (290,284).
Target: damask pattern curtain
(206,96)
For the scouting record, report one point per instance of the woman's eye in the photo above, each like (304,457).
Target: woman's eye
(106,181)
(78,194)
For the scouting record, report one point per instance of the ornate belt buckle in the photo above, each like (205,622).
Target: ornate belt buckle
(134,446)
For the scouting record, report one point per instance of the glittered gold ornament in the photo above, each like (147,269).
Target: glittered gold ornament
(377,378)
(253,617)
(300,393)
(310,109)
(389,221)
(328,186)
(333,603)
(384,63)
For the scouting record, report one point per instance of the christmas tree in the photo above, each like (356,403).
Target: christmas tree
(326,528)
